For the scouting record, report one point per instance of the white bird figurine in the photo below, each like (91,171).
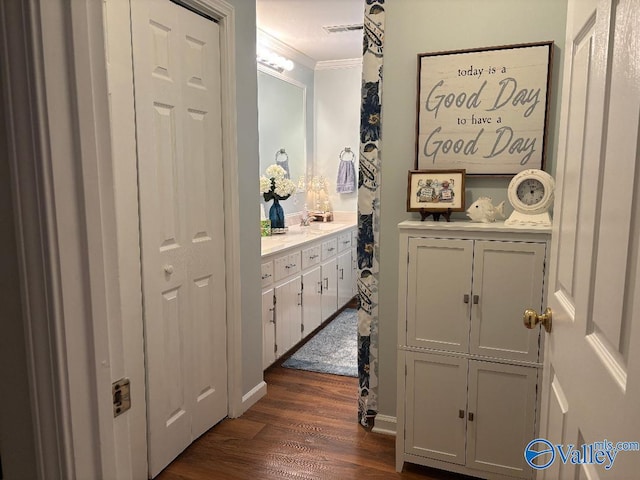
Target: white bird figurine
(482,210)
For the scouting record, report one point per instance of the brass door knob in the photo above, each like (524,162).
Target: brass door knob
(531,319)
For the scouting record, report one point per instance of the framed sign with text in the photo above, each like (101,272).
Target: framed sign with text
(484,110)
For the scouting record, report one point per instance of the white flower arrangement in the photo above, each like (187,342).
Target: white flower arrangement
(275,185)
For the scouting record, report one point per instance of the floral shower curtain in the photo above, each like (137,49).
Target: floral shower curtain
(368,210)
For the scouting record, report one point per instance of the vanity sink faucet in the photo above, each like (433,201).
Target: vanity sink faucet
(306,220)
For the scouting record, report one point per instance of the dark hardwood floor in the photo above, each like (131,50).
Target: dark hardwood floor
(304,428)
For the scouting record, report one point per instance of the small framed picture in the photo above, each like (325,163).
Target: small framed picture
(435,191)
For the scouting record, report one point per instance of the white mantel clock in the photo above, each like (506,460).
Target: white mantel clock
(530,193)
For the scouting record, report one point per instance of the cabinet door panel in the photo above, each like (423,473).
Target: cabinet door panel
(354,261)
(288,315)
(345,290)
(329,288)
(311,300)
(268,329)
(439,277)
(502,399)
(354,271)
(435,394)
(507,279)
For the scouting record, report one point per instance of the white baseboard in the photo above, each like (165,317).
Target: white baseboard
(252,396)
(385,425)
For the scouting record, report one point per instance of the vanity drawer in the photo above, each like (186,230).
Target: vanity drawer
(344,241)
(310,256)
(329,248)
(287,265)
(267,274)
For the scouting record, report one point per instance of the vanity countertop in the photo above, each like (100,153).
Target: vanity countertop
(297,236)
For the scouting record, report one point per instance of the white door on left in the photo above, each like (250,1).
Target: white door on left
(176,59)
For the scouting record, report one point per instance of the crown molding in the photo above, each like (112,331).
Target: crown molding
(281,48)
(339,64)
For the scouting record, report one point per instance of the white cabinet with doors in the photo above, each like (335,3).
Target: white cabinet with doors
(302,286)
(468,369)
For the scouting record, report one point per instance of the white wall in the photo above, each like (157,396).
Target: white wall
(337,116)
(248,173)
(419,26)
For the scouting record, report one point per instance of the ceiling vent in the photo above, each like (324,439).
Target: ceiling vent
(343,28)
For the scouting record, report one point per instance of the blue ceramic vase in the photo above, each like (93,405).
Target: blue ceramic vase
(276,214)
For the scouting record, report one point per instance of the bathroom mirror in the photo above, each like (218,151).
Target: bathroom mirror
(282,123)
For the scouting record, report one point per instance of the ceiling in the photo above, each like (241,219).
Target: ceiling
(299,23)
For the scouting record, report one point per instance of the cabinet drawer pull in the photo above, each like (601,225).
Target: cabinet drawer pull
(330,249)
(320,286)
(466,298)
(326,283)
(460,413)
(470,417)
(265,276)
(476,299)
(342,274)
(300,299)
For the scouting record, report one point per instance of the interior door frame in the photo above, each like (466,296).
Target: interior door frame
(62,183)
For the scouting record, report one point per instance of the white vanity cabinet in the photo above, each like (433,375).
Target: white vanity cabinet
(302,286)
(467,367)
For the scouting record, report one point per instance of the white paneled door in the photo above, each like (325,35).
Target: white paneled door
(176,57)
(592,364)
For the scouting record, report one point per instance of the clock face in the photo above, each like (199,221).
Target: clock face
(530,191)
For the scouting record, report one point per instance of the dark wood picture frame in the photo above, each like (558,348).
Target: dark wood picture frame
(485,109)
(436,192)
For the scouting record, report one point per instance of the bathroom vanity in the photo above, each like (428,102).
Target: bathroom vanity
(307,276)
